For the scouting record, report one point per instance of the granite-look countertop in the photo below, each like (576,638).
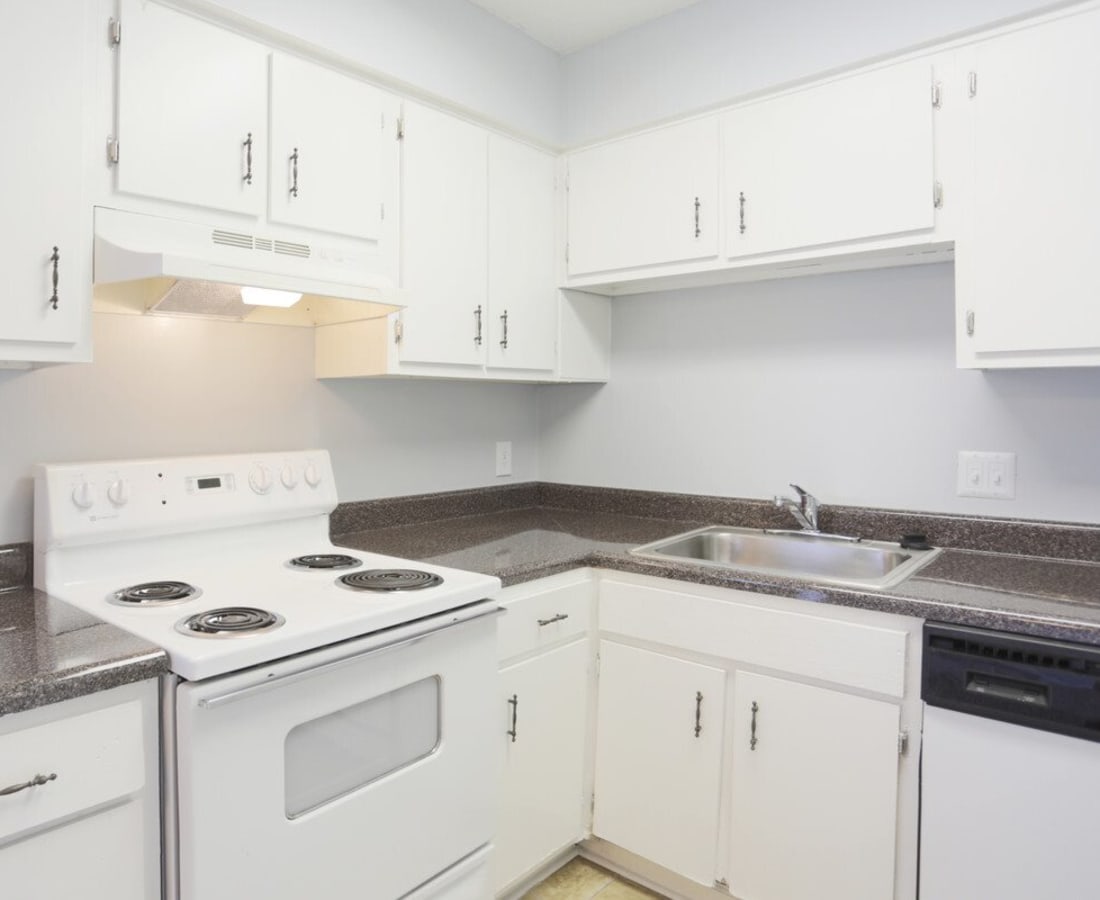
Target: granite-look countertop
(1022,594)
(51,651)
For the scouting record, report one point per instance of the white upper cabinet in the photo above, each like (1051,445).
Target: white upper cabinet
(847,160)
(330,153)
(522,298)
(1028,283)
(192,111)
(444,239)
(645,200)
(45,282)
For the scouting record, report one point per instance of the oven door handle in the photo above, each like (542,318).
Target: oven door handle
(424,630)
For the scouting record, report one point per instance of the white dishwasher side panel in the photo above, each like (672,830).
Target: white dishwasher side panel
(1006,811)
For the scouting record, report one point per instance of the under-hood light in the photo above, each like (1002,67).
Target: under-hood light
(255,296)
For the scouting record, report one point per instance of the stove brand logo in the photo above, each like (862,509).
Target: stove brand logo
(102,518)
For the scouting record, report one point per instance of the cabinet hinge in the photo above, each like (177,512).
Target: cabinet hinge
(398,331)
(114,32)
(937,95)
(903,743)
(112,150)
(970,323)
(973,84)
(722,884)
(937,195)
(401,128)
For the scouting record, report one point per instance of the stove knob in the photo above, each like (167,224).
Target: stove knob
(84,495)
(119,492)
(289,477)
(259,479)
(312,475)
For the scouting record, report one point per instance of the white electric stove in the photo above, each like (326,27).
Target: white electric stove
(327,705)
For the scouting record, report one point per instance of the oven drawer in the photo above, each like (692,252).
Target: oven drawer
(541,617)
(96,756)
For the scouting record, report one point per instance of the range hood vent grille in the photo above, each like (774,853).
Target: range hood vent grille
(250,242)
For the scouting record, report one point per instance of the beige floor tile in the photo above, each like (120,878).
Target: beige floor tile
(620,890)
(579,880)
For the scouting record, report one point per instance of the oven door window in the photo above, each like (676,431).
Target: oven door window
(329,757)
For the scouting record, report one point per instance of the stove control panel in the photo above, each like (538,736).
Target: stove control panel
(83,503)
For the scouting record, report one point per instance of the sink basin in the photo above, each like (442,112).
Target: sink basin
(822,558)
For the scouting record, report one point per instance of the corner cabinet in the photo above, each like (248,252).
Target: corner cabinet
(1027,283)
(478,270)
(45,288)
(88,824)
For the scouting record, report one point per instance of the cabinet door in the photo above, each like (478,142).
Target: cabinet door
(328,156)
(658,758)
(843,161)
(1030,251)
(544,701)
(814,793)
(444,239)
(646,200)
(522,290)
(192,111)
(42,157)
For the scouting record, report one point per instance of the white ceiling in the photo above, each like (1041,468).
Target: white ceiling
(568,25)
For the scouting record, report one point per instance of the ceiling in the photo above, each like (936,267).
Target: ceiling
(568,25)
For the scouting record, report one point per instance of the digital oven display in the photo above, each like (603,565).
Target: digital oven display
(206,484)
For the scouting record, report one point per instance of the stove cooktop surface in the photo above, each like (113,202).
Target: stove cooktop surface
(245,557)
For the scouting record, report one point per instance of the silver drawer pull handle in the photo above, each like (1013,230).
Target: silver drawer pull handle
(753,741)
(560,617)
(698,713)
(37,781)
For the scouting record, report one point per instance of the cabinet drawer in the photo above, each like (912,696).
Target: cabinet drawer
(852,654)
(97,757)
(543,618)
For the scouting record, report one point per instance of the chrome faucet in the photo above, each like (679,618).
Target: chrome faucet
(804,509)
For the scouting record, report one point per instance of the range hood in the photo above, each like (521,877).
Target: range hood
(152,264)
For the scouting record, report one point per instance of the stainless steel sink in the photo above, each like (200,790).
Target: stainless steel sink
(815,557)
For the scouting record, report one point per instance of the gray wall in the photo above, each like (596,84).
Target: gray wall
(166,387)
(846,383)
(716,50)
(451,48)
(843,383)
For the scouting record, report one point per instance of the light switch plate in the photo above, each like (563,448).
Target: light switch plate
(988,475)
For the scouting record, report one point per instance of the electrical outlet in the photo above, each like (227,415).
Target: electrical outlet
(988,475)
(504,458)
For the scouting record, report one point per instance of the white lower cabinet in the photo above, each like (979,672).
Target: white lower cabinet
(544,709)
(659,758)
(814,779)
(88,825)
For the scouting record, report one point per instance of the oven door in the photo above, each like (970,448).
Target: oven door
(359,770)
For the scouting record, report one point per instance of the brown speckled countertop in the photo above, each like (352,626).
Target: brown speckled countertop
(50,651)
(1025,594)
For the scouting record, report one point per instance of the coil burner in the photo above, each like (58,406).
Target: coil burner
(390,580)
(324,561)
(230,621)
(155,593)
